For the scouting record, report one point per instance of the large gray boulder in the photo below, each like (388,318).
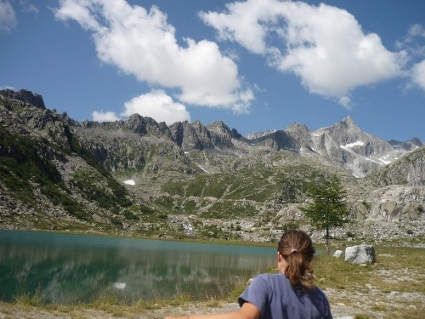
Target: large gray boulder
(360,254)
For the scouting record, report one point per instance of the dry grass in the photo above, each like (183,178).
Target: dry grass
(391,288)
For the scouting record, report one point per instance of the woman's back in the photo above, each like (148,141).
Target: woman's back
(274,295)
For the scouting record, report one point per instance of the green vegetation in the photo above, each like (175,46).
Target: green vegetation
(22,166)
(328,208)
(25,165)
(90,187)
(237,192)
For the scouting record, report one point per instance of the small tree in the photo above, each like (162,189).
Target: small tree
(328,208)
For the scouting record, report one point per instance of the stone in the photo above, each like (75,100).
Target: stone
(97,218)
(360,254)
(338,254)
(25,96)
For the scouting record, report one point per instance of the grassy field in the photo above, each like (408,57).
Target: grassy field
(393,287)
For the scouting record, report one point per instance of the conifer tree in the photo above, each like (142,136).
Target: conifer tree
(327,208)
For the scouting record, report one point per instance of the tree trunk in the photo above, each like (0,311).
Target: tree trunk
(327,240)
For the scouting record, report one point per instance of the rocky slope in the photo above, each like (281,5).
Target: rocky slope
(188,179)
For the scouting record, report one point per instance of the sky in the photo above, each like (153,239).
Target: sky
(256,65)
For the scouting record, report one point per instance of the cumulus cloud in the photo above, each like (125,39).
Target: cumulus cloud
(415,30)
(8,20)
(413,43)
(143,44)
(100,116)
(157,105)
(323,45)
(418,74)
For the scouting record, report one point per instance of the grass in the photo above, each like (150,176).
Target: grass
(390,288)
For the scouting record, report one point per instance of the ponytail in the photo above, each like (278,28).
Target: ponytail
(296,247)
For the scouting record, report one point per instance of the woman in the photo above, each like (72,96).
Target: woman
(289,294)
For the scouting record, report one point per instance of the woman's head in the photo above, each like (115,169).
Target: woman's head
(296,247)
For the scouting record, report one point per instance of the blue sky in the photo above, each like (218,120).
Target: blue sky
(255,65)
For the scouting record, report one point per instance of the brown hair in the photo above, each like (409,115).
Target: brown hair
(296,247)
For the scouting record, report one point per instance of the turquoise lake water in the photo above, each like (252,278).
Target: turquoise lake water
(64,268)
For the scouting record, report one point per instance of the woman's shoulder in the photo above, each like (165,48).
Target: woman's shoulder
(266,276)
(281,280)
(271,278)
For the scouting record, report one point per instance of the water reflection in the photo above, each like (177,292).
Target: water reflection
(68,268)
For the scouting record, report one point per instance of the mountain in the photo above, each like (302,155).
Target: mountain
(343,143)
(140,177)
(411,145)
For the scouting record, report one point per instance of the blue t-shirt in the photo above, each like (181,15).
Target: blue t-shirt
(276,299)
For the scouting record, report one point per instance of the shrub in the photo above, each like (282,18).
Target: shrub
(129,215)
(350,234)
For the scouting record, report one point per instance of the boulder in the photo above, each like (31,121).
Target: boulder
(338,254)
(360,254)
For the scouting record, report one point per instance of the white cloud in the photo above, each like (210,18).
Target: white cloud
(418,74)
(414,45)
(6,87)
(29,7)
(8,20)
(415,30)
(143,44)
(246,23)
(345,101)
(159,106)
(323,45)
(104,116)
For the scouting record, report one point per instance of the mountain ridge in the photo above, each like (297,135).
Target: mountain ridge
(167,179)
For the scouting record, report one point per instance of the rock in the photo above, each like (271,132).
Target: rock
(360,254)
(97,218)
(338,254)
(25,96)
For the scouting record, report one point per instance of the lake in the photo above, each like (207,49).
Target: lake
(65,268)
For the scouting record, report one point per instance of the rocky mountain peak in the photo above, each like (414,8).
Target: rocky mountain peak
(146,125)
(297,128)
(25,96)
(222,130)
(416,141)
(254,135)
(348,121)
(347,127)
(411,145)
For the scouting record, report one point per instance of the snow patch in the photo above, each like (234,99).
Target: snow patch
(130,182)
(203,169)
(384,161)
(120,285)
(358,143)
(372,160)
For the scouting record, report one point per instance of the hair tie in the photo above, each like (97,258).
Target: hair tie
(294,250)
